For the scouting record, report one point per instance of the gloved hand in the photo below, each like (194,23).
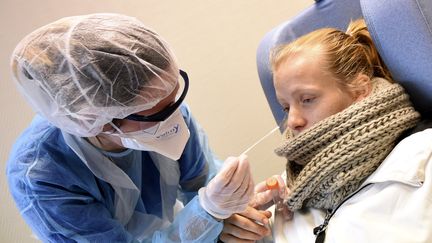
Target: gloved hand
(230,190)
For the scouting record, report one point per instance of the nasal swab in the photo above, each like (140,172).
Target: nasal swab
(265,136)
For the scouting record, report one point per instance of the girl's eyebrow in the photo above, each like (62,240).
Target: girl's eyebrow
(305,90)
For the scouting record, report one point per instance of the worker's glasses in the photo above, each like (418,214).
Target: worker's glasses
(165,113)
(135,122)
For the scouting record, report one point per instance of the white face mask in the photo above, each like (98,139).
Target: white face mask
(168,138)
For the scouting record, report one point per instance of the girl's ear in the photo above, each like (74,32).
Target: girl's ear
(363,87)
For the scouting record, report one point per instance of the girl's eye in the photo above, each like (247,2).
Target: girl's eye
(308,100)
(286,109)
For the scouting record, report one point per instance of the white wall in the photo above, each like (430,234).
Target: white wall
(215,42)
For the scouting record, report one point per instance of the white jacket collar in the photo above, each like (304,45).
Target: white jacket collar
(406,163)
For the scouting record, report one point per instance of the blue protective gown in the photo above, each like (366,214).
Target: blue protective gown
(63,201)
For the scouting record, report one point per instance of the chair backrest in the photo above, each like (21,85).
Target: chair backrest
(400,29)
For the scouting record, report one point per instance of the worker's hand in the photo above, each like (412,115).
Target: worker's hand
(247,226)
(230,190)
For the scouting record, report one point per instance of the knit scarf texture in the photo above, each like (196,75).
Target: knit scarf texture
(330,160)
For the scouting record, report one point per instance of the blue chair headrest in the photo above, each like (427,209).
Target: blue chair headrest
(401,30)
(324,13)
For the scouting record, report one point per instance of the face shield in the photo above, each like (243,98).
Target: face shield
(83,72)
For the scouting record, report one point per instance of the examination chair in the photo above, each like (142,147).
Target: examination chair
(400,29)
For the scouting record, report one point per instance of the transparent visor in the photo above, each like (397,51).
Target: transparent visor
(150,123)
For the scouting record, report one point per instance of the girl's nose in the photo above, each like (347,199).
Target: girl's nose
(296,121)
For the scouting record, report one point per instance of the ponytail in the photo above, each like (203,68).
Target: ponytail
(360,33)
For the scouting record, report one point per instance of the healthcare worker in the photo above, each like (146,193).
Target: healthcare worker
(114,154)
(353,173)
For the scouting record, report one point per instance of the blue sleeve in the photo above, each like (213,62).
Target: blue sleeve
(198,164)
(72,217)
(74,220)
(192,224)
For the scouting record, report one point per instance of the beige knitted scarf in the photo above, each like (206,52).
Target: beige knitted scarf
(330,160)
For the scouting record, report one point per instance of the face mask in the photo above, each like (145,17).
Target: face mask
(168,138)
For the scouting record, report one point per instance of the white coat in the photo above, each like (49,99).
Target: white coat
(394,204)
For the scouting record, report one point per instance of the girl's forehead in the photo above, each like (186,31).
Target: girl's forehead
(301,67)
(303,75)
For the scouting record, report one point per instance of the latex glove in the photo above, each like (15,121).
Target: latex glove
(230,190)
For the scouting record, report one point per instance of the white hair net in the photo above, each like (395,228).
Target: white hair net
(81,72)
